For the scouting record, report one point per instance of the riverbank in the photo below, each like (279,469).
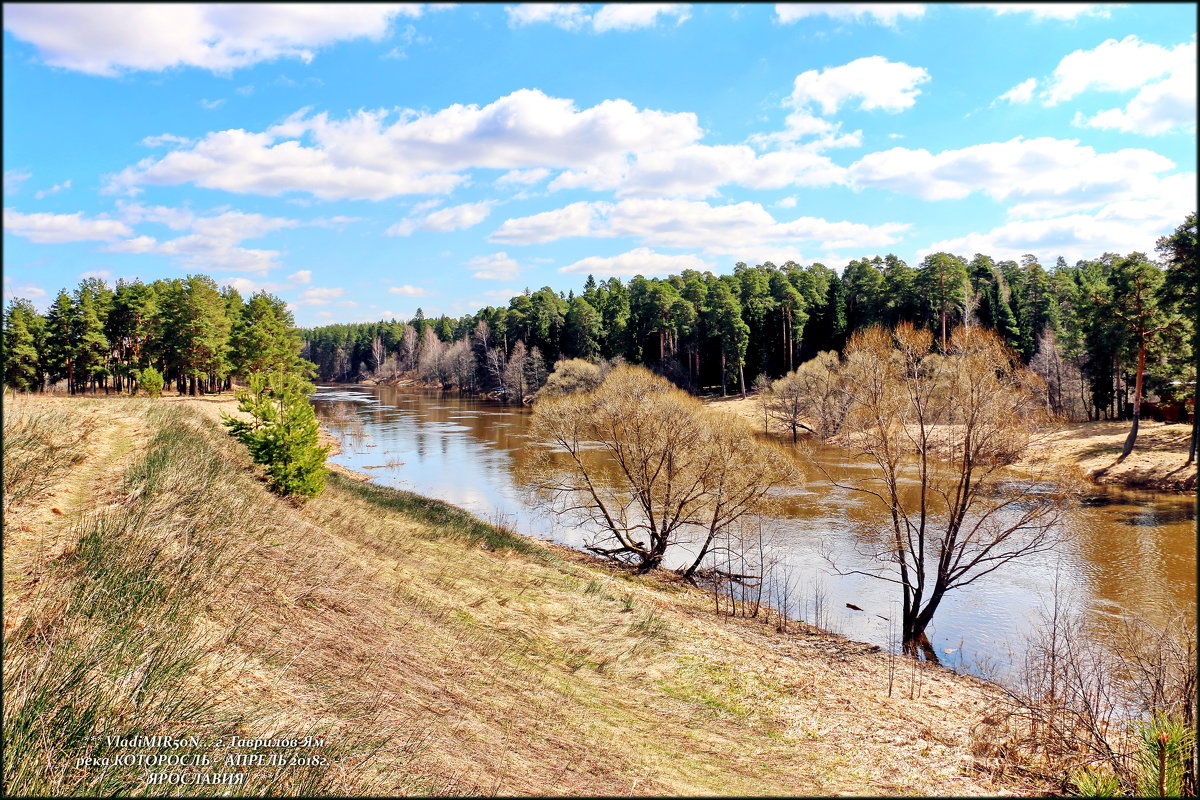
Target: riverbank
(440,653)
(1087,450)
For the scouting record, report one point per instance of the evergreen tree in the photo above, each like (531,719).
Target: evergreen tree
(283,432)
(22,361)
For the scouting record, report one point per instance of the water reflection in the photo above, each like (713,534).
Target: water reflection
(1123,552)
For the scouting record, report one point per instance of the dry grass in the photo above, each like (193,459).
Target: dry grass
(1088,450)
(487,663)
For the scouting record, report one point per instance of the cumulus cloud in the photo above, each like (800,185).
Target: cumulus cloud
(1122,225)
(1039,174)
(631,16)
(364,157)
(1054,11)
(674,223)
(610,17)
(212,242)
(319,296)
(1159,107)
(107,39)
(700,171)
(496,267)
(883,13)
(1021,93)
(641,261)
(1116,66)
(874,81)
(409,291)
(452,218)
(301,276)
(63,228)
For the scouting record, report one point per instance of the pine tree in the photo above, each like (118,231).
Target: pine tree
(22,362)
(283,434)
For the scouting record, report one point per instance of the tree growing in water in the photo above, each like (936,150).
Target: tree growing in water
(953,422)
(651,468)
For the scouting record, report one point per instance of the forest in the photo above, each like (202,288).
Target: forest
(1091,330)
(1084,328)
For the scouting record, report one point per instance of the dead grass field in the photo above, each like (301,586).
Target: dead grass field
(1087,450)
(492,664)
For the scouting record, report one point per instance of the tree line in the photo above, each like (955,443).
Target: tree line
(197,336)
(1091,330)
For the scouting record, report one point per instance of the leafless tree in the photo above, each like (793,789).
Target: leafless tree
(811,397)
(651,468)
(952,422)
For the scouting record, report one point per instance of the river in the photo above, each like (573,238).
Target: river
(1123,552)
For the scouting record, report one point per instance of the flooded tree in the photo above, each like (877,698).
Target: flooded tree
(939,430)
(652,468)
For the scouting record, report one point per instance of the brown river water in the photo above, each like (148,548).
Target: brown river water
(1122,553)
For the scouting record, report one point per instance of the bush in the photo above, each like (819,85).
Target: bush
(283,434)
(151,381)
(571,375)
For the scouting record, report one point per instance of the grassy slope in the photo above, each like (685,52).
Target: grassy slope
(459,658)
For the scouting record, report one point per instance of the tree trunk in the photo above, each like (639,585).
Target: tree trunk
(724,393)
(742,379)
(1137,400)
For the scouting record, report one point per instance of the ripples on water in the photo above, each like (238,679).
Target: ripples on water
(1125,552)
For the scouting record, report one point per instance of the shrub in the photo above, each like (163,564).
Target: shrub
(151,381)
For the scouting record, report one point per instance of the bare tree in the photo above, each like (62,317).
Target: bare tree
(812,397)
(667,471)
(377,355)
(953,422)
(408,347)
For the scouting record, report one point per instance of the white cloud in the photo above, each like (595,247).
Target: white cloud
(1161,107)
(27,291)
(63,228)
(641,261)
(165,139)
(661,222)
(1053,173)
(319,296)
(1117,66)
(213,105)
(610,17)
(245,286)
(874,81)
(631,16)
(106,39)
(1124,224)
(1055,11)
(1021,93)
(409,291)
(884,13)
(212,242)
(302,276)
(572,220)
(700,170)
(13,178)
(496,267)
(787,202)
(452,218)
(362,157)
(523,177)
(568,16)
(55,189)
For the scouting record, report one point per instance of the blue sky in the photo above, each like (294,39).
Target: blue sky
(361,161)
